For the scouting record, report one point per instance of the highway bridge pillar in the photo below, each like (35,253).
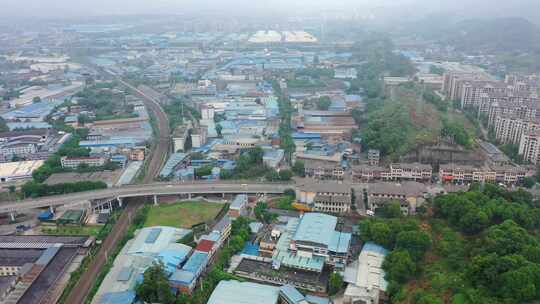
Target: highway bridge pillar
(12,216)
(155,200)
(189,195)
(120,202)
(51,209)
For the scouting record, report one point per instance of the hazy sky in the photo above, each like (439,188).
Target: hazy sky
(73,8)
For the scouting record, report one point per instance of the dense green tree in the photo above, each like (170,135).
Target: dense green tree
(155,286)
(335,283)
(324,102)
(378,232)
(299,168)
(219,129)
(391,209)
(474,221)
(399,266)
(415,242)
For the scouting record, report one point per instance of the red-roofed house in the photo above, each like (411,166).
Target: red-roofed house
(206,246)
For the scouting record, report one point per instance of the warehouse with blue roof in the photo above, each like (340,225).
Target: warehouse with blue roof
(150,245)
(227,292)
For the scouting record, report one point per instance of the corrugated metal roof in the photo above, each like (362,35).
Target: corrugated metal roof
(48,254)
(318,228)
(291,294)
(196,262)
(340,242)
(317,300)
(152,235)
(125,274)
(227,292)
(125,297)
(205,246)
(182,277)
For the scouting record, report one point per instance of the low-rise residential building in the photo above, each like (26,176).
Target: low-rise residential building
(374,156)
(324,197)
(75,162)
(395,172)
(409,194)
(507,174)
(368,173)
(414,171)
(323,170)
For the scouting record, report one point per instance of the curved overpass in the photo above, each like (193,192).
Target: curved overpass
(158,189)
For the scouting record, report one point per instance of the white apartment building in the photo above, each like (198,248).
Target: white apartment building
(472,92)
(74,162)
(529,147)
(524,110)
(509,129)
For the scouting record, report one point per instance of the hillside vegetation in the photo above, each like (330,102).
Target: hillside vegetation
(481,246)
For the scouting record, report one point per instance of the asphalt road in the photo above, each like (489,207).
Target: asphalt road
(230,187)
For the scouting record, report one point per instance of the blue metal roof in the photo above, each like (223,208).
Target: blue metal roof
(182,277)
(227,292)
(317,300)
(369,246)
(152,235)
(251,249)
(173,161)
(124,274)
(123,141)
(340,242)
(28,125)
(48,255)
(318,228)
(290,293)
(124,297)
(196,262)
(299,135)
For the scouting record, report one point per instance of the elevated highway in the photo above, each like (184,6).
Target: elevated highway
(146,190)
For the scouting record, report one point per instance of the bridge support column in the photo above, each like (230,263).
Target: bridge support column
(12,216)
(51,209)
(223,195)
(120,202)
(189,195)
(110,205)
(155,200)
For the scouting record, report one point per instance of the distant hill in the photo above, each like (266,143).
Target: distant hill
(500,34)
(496,34)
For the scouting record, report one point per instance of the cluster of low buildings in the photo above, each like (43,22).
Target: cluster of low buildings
(183,265)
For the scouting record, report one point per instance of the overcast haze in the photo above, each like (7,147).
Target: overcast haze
(76,8)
